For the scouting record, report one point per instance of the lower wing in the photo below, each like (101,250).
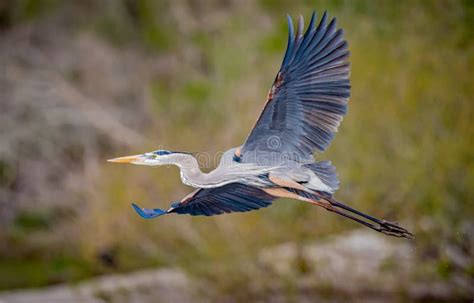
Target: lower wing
(233,197)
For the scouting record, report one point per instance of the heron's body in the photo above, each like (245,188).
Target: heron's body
(228,171)
(303,111)
(231,170)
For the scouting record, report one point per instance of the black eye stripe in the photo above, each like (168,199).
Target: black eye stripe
(162,152)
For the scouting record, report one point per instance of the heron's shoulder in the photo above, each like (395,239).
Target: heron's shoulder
(229,157)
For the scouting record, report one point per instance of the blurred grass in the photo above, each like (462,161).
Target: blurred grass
(404,152)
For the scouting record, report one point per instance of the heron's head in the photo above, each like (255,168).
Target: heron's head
(154,158)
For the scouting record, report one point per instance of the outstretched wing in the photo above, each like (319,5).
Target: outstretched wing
(233,197)
(309,96)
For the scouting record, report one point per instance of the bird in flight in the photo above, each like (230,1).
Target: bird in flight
(304,108)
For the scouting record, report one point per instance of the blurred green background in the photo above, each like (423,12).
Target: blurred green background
(84,81)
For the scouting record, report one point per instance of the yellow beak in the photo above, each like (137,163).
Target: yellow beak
(127,159)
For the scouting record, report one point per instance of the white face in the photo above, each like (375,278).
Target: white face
(154,158)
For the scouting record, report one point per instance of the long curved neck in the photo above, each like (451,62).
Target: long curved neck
(191,174)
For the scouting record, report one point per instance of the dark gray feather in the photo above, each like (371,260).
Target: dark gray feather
(233,197)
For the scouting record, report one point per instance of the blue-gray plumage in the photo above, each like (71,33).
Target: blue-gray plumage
(309,96)
(234,197)
(304,108)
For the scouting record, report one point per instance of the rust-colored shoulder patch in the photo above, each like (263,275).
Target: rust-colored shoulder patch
(283,193)
(285,182)
(189,196)
(237,152)
(237,155)
(276,85)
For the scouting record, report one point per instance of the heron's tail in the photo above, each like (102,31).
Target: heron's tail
(326,172)
(326,201)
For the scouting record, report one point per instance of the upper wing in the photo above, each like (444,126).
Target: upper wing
(309,96)
(233,197)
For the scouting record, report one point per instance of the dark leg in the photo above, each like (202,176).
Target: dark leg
(385,227)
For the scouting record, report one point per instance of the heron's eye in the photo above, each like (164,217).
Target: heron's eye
(162,152)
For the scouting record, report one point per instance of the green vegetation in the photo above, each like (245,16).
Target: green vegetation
(404,152)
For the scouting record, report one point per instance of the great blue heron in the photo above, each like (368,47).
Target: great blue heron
(303,111)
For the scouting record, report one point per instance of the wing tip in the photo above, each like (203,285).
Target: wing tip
(290,23)
(147,213)
(300,28)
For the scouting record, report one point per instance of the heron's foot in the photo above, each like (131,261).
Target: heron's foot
(148,213)
(394,229)
(383,226)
